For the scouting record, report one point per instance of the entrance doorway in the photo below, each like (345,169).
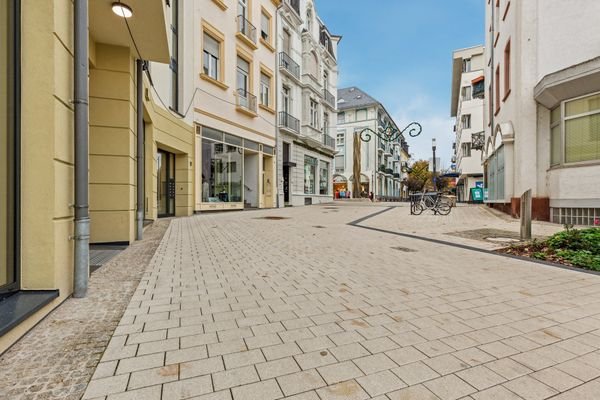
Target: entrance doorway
(165,164)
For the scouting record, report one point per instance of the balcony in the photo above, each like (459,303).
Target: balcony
(289,123)
(246,32)
(246,102)
(329,98)
(381,168)
(294,4)
(289,66)
(381,146)
(396,175)
(389,171)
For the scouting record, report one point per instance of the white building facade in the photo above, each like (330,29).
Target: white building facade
(543,108)
(468,90)
(381,161)
(307,74)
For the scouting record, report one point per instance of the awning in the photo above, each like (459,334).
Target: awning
(477,80)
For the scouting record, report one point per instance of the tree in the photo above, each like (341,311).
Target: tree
(419,176)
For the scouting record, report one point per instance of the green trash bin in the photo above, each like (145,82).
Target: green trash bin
(477,195)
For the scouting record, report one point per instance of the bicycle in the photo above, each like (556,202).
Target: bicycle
(434,202)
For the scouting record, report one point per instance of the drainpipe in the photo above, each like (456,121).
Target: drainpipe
(82,218)
(276,97)
(140,150)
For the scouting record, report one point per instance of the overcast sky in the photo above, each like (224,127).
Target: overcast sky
(400,52)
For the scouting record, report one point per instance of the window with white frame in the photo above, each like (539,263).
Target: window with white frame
(575,131)
(361,114)
(314,114)
(265,27)
(466,121)
(466,149)
(265,89)
(466,65)
(211,57)
(341,117)
(466,93)
(340,139)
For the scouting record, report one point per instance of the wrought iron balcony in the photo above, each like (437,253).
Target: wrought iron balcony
(396,175)
(289,65)
(289,122)
(329,97)
(246,28)
(246,101)
(478,141)
(389,171)
(295,4)
(382,168)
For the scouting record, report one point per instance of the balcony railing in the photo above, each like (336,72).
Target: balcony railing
(329,141)
(286,62)
(246,100)
(289,122)
(246,28)
(329,97)
(389,171)
(396,175)
(382,168)
(295,4)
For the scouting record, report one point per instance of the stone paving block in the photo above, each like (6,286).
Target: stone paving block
(434,348)
(450,387)
(201,367)
(339,372)
(446,364)
(556,379)
(579,370)
(406,355)
(281,351)
(325,329)
(300,382)
(160,346)
(407,339)
(222,395)
(233,346)
(349,390)
(496,393)
(260,341)
(280,367)
(295,335)
(149,393)
(273,327)
(473,356)
(418,392)
(315,359)
(265,390)
(375,363)
(415,373)
(154,376)
(139,363)
(105,369)
(314,344)
(349,352)
(243,359)
(187,388)
(379,345)
(480,377)
(588,391)
(530,389)
(185,355)
(143,337)
(106,386)
(343,338)
(234,377)
(198,340)
(233,334)
(381,383)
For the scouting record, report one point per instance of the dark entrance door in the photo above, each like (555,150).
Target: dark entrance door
(286,184)
(165,163)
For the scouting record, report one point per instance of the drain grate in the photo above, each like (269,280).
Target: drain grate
(272,218)
(320,227)
(101,255)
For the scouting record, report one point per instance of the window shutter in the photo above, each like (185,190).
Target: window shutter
(211,45)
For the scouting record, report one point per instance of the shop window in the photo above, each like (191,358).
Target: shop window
(310,169)
(324,178)
(222,172)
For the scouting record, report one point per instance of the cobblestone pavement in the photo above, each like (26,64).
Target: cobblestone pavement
(57,358)
(234,306)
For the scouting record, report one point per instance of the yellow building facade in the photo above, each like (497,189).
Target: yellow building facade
(235,104)
(37,139)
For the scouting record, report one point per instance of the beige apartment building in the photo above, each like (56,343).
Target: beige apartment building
(234,106)
(37,183)
(467,107)
(542,125)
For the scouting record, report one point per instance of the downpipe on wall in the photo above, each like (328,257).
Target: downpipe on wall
(140,150)
(81,102)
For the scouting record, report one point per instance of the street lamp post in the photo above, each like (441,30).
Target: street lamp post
(433,147)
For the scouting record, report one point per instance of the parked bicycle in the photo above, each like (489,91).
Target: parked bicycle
(431,201)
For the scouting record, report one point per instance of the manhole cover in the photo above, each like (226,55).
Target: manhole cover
(272,218)
(404,249)
(502,240)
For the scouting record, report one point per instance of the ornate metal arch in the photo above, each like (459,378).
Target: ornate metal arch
(389,134)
